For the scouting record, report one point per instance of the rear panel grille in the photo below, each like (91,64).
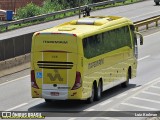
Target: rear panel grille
(54,65)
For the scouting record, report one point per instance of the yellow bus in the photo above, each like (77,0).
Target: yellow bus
(80,59)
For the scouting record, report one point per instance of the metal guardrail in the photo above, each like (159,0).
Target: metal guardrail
(39,17)
(146,22)
(138,24)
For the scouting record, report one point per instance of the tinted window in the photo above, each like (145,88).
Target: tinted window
(106,42)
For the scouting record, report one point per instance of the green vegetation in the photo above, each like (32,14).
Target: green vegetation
(50,6)
(28,11)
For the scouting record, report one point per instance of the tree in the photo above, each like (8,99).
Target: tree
(29,10)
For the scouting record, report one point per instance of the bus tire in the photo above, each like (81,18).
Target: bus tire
(91,98)
(48,100)
(157,3)
(98,91)
(126,83)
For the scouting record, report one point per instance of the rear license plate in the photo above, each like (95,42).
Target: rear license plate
(54,93)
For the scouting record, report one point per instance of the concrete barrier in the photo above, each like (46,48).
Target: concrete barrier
(13,65)
(16,46)
(19,60)
(10,63)
(27,57)
(2,65)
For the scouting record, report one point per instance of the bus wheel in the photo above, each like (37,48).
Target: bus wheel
(157,3)
(126,83)
(48,100)
(98,91)
(91,99)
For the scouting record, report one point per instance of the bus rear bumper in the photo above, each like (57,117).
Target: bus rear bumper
(55,94)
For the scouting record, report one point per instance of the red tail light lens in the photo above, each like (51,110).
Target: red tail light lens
(78,81)
(33,80)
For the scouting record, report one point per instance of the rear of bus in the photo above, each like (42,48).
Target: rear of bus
(54,66)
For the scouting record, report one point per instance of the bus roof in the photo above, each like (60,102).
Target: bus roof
(89,25)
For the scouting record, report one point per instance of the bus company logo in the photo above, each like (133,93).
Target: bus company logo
(96,63)
(21,115)
(55,76)
(56,42)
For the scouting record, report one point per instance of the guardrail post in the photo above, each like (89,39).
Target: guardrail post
(147,26)
(93,7)
(103,6)
(6,27)
(156,23)
(14,47)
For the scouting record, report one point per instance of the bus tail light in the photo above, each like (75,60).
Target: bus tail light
(33,80)
(78,81)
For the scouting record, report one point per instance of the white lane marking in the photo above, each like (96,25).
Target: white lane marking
(137,88)
(148,100)
(150,93)
(152,34)
(143,58)
(113,109)
(157,79)
(18,106)
(14,80)
(155,87)
(90,109)
(145,14)
(138,106)
(86,111)
(93,118)
(106,102)
(122,95)
(71,118)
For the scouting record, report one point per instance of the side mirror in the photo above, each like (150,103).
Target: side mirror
(139,35)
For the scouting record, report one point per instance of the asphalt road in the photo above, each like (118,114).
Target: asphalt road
(143,93)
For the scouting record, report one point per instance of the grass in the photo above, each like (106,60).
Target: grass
(60,16)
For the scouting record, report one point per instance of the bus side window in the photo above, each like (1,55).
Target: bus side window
(134,37)
(99,38)
(85,43)
(132,27)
